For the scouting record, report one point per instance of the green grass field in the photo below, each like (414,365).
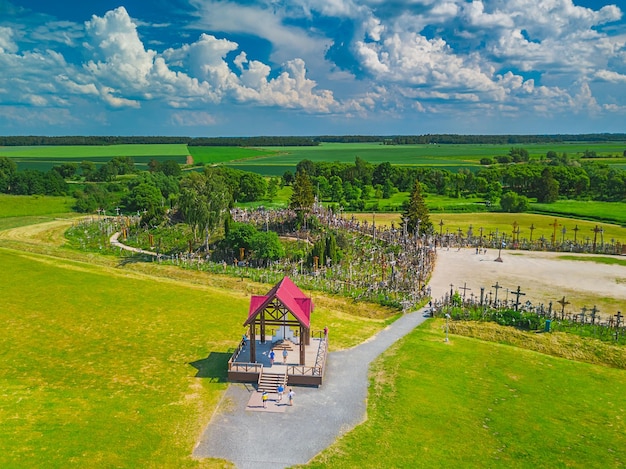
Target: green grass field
(43,158)
(503,223)
(95,151)
(274,161)
(107,363)
(214,155)
(609,211)
(450,157)
(111,364)
(469,403)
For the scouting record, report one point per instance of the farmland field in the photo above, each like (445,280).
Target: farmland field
(450,157)
(43,158)
(274,161)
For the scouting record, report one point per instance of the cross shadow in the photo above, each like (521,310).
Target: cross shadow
(214,367)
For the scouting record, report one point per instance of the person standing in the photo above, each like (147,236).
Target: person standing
(325,331)
(281,390)
(290,396)
(264,398)
(285,353)
(272,356)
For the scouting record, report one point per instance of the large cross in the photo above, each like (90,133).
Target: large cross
(531,228)
(562,302)
(518,293)
(497,287)
(464,288)
(596,230)
(583,312)
(594,311)
(554,226)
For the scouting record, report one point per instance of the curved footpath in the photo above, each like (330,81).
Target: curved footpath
(318,417)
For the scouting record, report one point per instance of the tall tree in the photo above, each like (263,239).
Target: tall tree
(203,202)
(302,198)
(547,187)
(416,212)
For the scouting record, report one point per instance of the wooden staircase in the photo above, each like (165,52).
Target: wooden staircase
(269,381)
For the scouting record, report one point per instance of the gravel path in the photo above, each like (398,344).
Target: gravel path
(319,415)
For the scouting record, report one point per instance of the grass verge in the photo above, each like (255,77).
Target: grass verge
(471,403)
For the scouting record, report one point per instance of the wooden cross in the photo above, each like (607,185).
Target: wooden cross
(575,230)
(563,230)
(518,293)
(497,287)
(594,311)
(515,225)
(596,230)
(554,226)
(562,302)
(582,314)
(440,226)
(618,319)
(464,288)
(531,228)
(451,291)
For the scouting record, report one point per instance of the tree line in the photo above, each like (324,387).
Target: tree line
(512,181)
(262,141)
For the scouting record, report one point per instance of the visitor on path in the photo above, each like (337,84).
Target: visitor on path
(281,390)
(325,331)
(272,356)
(264,398)
(285,353)
(244,341)
(290,396)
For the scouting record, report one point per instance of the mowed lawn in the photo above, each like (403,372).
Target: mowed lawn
(469,403)
(97,365)
(106,366)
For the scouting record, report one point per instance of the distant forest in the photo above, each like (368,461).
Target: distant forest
(279,141)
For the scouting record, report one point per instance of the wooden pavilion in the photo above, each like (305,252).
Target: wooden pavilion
(278,320)
(286,309)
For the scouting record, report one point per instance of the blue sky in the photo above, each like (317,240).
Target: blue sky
(311,67)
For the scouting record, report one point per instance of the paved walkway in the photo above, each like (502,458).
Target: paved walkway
(318,417)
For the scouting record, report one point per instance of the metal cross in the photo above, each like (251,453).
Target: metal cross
(518,293)
(562,302)
(497,287)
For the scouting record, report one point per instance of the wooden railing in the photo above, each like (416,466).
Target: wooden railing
(245,367)
(302,370)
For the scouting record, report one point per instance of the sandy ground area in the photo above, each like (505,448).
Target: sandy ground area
(543,276)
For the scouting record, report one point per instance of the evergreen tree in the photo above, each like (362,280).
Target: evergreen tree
(416,212)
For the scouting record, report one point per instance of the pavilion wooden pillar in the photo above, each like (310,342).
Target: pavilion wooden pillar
(252,342)
(263,327)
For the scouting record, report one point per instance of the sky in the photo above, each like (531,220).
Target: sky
(312,67)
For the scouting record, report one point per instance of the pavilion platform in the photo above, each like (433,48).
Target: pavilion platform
(309,373)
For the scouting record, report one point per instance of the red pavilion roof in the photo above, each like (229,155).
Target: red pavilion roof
(290,296)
